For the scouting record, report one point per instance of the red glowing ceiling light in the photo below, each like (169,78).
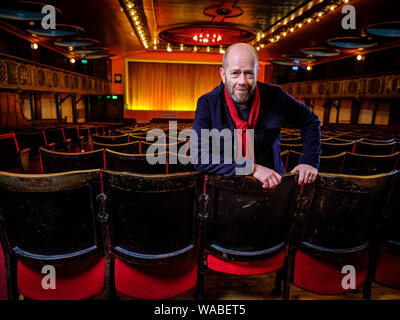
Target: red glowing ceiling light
(205,38)
(194,35)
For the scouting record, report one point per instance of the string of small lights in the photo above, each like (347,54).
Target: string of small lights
(297,23)
(135,13)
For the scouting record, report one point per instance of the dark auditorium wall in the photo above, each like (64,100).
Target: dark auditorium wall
(105,107)
(11,110)
(21,48)
(381,62)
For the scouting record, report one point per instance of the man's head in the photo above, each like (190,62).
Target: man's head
(239,72)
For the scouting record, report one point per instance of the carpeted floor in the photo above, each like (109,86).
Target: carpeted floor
(3,288)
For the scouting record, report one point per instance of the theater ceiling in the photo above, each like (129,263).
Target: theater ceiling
(283,31)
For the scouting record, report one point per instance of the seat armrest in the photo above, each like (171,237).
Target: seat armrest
(67,144)
(24,158)
(51,146)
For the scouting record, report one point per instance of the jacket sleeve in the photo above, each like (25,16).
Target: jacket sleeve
(202,151)
(298,114)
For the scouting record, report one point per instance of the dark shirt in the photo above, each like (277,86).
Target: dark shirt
(244,113)
(276,107)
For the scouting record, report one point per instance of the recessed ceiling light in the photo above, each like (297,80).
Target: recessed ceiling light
(76,43)
(386,29)
(321,52)
(351,42)
(61,30)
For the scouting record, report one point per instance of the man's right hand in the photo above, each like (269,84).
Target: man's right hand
(268,177)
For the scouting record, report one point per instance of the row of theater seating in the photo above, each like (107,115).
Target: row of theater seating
(16,160)
(335,146)
(148,236)
(131,157)
(345,134)
(348,162)
(93,138)
(163,162)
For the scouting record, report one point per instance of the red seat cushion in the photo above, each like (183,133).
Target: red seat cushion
(323,275)
(160,281)
(35,166)
(3,282)
(254,267)
(74,281)
(388,268)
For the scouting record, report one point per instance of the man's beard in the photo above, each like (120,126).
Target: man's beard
(241,98)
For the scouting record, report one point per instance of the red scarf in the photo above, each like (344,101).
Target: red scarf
(243,125)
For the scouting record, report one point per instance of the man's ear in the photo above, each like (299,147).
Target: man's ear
(222,73)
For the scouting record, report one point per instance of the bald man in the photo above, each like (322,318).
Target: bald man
(241,102)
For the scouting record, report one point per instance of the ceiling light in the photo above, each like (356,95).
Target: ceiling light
(72,60)
(207,37)
(34,46)
(359,57)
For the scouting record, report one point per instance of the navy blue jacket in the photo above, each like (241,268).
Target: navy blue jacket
(276,106)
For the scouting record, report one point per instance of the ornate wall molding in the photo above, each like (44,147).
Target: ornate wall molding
(16,74)
(386,86)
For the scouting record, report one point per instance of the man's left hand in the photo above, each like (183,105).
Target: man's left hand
(307,173)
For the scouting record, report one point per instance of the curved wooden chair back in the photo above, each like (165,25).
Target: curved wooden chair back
(54,162)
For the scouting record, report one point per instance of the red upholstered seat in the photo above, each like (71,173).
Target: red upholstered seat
(3,283)
(158,281)
(388,268)
(35,166)
(74,281)
(323,275)
(247,268)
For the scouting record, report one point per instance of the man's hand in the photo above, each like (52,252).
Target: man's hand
(268,177)
(307,174)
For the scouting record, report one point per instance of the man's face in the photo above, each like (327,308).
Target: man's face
(240,77)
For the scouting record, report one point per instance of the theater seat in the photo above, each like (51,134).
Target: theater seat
(245,228)
(337,231)
(156,281)
(51,220)
(323,275)
(151,223)
(74,281)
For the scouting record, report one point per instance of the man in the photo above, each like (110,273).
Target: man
(240,102)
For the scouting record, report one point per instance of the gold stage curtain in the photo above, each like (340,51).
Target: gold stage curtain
(169,86)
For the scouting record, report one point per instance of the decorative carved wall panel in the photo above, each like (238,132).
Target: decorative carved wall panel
(387,86)
(15,74)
